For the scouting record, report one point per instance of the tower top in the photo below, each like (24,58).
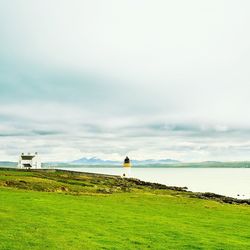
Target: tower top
(126,160)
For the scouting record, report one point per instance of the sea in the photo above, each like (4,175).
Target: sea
(232,182)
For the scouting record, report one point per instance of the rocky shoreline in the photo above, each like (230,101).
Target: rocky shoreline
(126,184)
(200,195)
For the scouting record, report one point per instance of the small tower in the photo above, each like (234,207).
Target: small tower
(127,167)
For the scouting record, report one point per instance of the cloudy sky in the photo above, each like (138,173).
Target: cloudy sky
(151,79)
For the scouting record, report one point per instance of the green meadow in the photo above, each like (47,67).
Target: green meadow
(64,210)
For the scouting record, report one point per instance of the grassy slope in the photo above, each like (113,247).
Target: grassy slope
(77,212)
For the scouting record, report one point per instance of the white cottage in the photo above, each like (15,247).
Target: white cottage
(29,161)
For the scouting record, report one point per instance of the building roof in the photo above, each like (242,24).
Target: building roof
(27,157)
(126,160)
(27,165)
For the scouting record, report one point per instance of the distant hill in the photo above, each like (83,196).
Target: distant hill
(97,161)
(152,161)
(164,163)
(93,161)
(9,164)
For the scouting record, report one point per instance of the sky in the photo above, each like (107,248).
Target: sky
(149,79)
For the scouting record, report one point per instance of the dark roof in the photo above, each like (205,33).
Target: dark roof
(27,157)
(27,165)
(126,160)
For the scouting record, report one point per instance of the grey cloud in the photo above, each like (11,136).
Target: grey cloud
(46,132)
(30,133)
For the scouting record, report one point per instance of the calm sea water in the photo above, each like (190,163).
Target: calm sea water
(233,182)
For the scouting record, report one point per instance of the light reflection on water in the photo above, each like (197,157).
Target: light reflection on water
(233,182)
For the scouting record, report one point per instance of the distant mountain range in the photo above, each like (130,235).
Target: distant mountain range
(97,161)
(151,163)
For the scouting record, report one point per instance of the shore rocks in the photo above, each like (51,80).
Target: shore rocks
(220,198)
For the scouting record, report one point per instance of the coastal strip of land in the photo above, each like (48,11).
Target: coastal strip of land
(60,209)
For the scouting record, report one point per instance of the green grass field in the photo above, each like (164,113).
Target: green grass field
(60,210)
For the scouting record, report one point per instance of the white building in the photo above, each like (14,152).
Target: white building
(29,161)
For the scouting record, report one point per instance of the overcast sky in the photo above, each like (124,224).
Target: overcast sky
(151,79)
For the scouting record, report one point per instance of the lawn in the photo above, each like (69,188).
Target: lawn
(60,211)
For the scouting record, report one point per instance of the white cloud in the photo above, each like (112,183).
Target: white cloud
(107,78)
